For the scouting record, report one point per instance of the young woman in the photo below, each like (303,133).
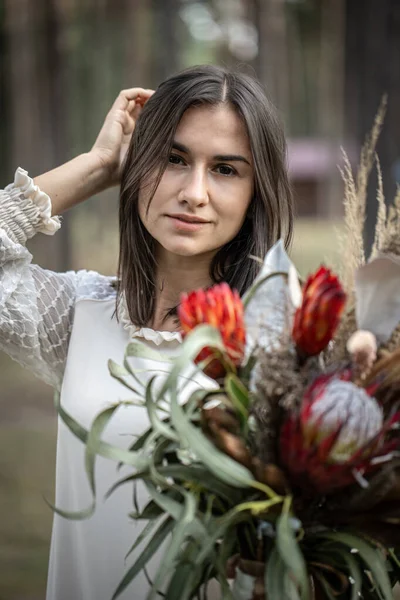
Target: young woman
(203,188)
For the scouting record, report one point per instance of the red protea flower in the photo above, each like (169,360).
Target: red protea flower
(337,436)
(317,318)
(221,307)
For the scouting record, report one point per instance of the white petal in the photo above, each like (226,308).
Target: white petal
(270,310)
(377,286)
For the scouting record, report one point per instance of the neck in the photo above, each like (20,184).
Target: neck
(176,275)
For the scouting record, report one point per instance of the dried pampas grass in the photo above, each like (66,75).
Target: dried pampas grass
(393,342)
(387,227)
(278,379)
(390,236)
(351,243)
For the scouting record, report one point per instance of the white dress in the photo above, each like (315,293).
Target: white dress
(62,327)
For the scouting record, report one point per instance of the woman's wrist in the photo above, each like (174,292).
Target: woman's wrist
(107,168)
(75,181)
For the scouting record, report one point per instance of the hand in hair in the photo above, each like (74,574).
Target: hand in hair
(114,137)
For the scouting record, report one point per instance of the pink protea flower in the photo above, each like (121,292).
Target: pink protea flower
(336,436)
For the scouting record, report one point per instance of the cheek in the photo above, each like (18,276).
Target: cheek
(151,201)
(148,194)
(235,210)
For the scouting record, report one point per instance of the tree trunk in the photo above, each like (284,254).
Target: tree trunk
(57,111)
(166,47)
(330,101)
(372,69)
(272,61)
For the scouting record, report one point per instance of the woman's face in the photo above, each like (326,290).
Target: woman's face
(202,199)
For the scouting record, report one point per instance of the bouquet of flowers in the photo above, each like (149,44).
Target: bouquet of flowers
(285,477)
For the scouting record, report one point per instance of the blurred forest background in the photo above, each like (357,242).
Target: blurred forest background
(324,63)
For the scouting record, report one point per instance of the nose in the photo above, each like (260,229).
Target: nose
(194,191)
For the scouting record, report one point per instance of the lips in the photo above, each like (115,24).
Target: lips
(188,218)
(184,223)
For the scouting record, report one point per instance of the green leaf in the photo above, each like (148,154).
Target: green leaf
(186,577)
(246,369)
(225,588)
(275,573)
(226,548)
(174,507)
(148,552)
(202,336)
(182,530)
(221,465)
(156,458)
(371,556)
(158,425)
(98,446)
(355,574)
(141,440)
(291,589)
(199,474)
(217,531)
(153,510)
(239,397)
(127,457)
(147,529)
(93,441)
(119,373)
(140,350)
(291,554)
(340,559)
(150,512)
(325,586)
(78,515)
(195,473)
(209,573)
(394,564)
(117,370)
(182,582)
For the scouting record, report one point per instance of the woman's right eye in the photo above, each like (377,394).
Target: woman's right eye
(175,159)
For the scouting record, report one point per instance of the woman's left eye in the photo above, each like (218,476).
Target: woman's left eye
(226,170)
(175,159)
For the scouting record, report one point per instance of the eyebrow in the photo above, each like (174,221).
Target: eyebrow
(221,157)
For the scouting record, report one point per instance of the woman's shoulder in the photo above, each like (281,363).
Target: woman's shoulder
(91,285)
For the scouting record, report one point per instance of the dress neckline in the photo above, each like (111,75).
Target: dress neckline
(152,335)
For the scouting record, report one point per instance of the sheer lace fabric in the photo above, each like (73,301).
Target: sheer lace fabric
(37,305)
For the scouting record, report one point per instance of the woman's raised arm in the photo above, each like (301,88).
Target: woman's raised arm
(98,169)
(37,305)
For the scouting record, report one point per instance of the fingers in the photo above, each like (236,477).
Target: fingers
(129,125)
(137,109)
(127,108)
(127,99)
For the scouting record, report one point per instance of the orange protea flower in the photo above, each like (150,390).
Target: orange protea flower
(317,318)
(338,436)
(222,308)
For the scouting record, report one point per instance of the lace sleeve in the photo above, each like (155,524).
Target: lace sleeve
(36,305)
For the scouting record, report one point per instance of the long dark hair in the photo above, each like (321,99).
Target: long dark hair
(270,214)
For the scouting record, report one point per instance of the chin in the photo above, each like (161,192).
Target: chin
(185,248)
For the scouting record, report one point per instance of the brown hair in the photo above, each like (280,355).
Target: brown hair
(270,214)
